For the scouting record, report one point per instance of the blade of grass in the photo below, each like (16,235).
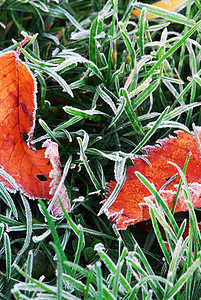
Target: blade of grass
(172,49)
(7,247)
(54,234)
(151,131)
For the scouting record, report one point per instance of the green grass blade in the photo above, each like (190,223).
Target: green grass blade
(99,281)
(86,164)
(111,267)
(7,247)
(172,16)
(59,272)
(27,240)
(92,41)
(178,285)
(151,131)
(142,21)
(173,49)
(131,113)
(54,234)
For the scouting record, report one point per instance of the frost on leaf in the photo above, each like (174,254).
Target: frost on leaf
(130,206)
(36,172)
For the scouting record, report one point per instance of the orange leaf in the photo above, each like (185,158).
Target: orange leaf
(174,5)
(130,207)
(36,172)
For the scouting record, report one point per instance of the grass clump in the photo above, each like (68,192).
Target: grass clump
(108,84)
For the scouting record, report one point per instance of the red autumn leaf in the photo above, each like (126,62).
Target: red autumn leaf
(130,207)
(36,172)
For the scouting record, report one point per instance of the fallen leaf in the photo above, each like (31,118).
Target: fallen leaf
(174,5)
(130,206)
(37,173)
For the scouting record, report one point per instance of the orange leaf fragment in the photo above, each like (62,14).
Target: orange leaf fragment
(174,5)
(130,206)
(37,173)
